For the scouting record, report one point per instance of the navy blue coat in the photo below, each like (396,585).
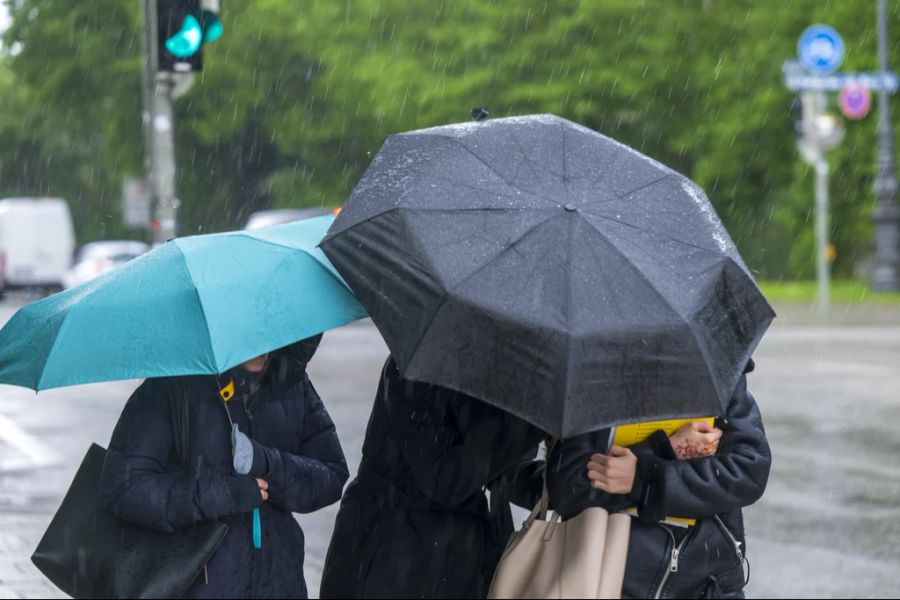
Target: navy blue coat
(710,557)
(415,523)
(144,483)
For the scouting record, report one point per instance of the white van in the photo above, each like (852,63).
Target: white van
(37,242)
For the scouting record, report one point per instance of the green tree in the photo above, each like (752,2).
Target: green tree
(295,99)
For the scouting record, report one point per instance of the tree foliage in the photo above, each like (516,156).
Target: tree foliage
(296,98)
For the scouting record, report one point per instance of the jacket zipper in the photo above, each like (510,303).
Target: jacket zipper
(673,559)
(736,544)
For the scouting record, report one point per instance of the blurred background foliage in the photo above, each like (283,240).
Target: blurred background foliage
(296,98)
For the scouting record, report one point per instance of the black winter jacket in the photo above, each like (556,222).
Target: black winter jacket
(296,450)
(415,522)
(709,559)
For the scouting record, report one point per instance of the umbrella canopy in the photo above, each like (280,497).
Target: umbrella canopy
(550,271)
(194,305)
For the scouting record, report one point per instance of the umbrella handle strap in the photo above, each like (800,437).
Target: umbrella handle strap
(257,529)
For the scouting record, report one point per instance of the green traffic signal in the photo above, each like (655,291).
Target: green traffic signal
(188,39)
(183,27)
(211,25)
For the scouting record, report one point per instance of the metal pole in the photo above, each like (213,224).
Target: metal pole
(148,49)
(886,216)
(163,133)
(823,268)
(159,129)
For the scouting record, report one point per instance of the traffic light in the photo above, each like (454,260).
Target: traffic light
(183,26)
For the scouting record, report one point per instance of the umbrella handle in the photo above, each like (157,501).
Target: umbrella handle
(257,529)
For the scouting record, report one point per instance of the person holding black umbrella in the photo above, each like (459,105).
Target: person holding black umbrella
(562,276)
(415,523)
(705,475)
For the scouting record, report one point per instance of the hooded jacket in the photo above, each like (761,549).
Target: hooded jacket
(706,560)
(296,450)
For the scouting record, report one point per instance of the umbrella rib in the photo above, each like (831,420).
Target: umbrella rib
(59,331)
(488,165)
(456,286)
(643,276)
(622,152)
(196,291)
(569,312)
(89,289)
(662,296)
(526,158)
(297,249)
(479,189)
(453,140)
(654,233)
(206,324)
(254,238)
(646,185)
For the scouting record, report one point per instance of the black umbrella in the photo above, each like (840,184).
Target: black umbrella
(551,271)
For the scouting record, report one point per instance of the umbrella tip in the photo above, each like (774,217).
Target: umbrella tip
(479,113)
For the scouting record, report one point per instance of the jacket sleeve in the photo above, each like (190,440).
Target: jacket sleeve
(141,481)
(314,476)
(449,463)
(735,477)
(568,485)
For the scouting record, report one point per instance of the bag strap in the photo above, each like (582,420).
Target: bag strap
(543,505)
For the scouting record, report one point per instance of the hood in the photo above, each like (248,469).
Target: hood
(288,364)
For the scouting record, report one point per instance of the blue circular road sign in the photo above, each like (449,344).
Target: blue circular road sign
(820,49)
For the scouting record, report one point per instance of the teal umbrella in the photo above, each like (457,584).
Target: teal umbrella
(194,305)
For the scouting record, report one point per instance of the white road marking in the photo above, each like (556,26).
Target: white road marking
(31,452)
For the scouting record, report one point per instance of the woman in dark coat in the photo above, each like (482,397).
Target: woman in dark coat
(667,561)
(415,523)
(289,442)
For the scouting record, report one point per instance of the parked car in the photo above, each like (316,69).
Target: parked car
(36,243)
(96,258)
(277,216)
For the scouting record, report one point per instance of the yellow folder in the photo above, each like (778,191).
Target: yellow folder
(633,433)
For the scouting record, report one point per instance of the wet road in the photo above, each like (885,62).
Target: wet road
(828,526)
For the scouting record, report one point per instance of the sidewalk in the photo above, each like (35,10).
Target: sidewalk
(791,314)
(834,379)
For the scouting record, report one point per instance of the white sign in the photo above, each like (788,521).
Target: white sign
(136,203)
(798,80)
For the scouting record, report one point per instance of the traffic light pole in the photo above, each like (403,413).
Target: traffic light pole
(162,131)
(159,132)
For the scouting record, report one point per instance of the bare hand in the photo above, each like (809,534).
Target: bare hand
(695,440)
(614,471)
(263,488)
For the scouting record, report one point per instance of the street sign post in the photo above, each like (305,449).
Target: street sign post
(820,51)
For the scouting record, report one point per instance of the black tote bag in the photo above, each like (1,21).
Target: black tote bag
(89,553)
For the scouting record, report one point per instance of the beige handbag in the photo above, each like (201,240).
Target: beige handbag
(583,557)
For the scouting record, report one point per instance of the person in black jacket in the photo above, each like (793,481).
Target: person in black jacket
(415,523)
(709,479)
(290,458)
